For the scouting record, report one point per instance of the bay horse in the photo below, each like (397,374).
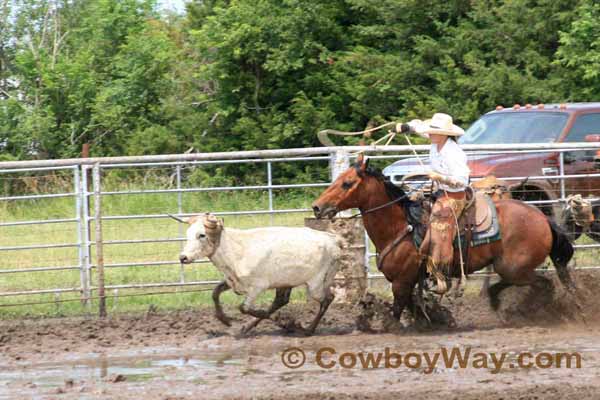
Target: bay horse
(527,236)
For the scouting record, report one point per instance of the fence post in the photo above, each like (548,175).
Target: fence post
(99,248)
(180,226)
(351,280)
(85,235)
(561,171)
(85,287)
(339,162)
(270,184)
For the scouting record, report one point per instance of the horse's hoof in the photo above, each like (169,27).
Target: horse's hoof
(494,303)
(363,325)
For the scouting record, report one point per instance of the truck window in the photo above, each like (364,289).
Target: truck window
(585,124)
(516,127)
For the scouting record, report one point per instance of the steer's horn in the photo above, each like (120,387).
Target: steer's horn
(212,226)
(182,220)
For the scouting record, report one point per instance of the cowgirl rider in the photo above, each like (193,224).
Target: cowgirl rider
(450,171)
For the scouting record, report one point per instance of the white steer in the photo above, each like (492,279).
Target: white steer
(254,260)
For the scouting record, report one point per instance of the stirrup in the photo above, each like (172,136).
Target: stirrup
(441,287)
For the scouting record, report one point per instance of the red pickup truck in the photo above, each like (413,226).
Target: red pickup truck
(559,123)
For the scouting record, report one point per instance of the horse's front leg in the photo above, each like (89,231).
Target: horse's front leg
(402,291)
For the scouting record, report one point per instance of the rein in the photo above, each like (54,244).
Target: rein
(370,210)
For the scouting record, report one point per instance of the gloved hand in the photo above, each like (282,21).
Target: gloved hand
(408,127)
(434,176)
(446,180)
(403,128)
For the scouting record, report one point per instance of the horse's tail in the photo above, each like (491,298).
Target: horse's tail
(561,253)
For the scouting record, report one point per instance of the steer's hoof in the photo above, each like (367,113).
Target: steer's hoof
(245,329)
(290,325)
(300,330)
(225,320)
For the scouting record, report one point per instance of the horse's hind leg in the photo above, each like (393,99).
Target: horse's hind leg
(565,278)
(542,283)
(561,254)
(494,293)
(544,287)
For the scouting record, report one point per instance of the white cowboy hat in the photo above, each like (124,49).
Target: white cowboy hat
(439,124)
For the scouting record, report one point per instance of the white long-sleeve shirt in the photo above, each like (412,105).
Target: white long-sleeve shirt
(450,162)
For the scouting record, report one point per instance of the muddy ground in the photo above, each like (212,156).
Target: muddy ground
(190,354)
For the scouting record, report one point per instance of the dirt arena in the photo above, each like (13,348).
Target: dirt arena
(189,354)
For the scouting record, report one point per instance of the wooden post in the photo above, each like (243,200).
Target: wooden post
(351,279)
(99,248)
(85,150)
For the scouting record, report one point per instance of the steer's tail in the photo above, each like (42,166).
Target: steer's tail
(561,254)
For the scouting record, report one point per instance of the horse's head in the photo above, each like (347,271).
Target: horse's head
(344,193)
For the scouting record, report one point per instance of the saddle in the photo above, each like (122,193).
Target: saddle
(479,213)
(496,188)
(479,221)
(478,224)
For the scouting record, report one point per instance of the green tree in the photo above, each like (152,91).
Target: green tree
(579,53)
(265,64)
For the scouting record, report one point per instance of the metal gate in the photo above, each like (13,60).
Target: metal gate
(72,229)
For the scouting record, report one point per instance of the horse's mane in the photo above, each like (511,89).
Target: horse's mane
(392,190)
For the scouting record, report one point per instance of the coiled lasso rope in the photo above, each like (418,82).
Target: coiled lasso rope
(326,141)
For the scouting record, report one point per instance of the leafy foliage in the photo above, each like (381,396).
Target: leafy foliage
(239,74)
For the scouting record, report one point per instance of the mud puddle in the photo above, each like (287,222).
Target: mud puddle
(95,375)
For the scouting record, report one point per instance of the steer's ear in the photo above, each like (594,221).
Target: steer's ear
(213,222)
(213,227)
